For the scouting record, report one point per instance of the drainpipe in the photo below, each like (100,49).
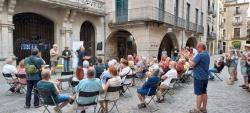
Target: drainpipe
(182,38)
(104,35)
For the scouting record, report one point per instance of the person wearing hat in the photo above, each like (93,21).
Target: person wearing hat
(244,58)
(66,55)
(54,57)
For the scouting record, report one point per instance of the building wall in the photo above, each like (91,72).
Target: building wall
(229,16)
(149,36)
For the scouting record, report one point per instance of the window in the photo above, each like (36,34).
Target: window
(201,18)
(208,5)
(237,10)
(188,12)
(122,10)
(213,8)
(237,19)
(224,20)
(196,16)
(161,10)
(236,32)
(224,32)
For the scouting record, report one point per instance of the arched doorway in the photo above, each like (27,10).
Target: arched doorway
(32,31)
(87,35)
(167,46)
(191,42)
(120,44)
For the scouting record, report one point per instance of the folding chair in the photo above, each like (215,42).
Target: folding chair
(21,76)
(217,75)
(66,77)
(10,80)
(86,95)
(150,100)
(170,91)
(125,85)
(73,84)
(112,89)
(42,94)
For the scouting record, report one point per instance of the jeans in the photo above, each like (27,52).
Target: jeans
(30,85)
(212,71)
(66,65)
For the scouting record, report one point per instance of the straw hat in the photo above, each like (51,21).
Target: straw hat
(247,45)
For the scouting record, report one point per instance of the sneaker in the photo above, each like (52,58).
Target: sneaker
(57,110)
(12,89)
(26,107)
(37,106)
(142,105)
(71,101)
(242,85)
(160,100)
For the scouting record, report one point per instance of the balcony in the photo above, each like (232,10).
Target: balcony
(95,7)
(180,22)
(210,11)
(237,23)
(145,14)
(200,29)
(190,26)
(211,35)
(237,12)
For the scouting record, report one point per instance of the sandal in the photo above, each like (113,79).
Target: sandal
(203,110)
(194,111)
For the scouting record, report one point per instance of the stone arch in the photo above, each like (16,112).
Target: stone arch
(119,44)
(32,30)
(168,44)
(88,36)
(191,42)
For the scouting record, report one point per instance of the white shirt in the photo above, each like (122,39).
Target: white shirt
(9,69)
(170,75)
(126,71)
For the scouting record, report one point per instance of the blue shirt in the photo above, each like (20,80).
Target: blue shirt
(105,76)
(88,85)
(38,62)
(202,61)
(81,54)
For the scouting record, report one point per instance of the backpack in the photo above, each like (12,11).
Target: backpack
(30,67)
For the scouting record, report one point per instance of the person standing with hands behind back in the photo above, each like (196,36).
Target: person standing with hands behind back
(66,54)
(54,57)
(201,66)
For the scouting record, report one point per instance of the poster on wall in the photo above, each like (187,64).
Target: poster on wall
(75,47)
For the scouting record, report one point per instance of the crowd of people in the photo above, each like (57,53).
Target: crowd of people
(155,75)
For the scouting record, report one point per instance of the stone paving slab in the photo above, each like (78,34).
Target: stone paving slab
(221,99)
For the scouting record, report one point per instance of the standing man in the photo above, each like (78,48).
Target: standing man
(201,66)
(66,54)
(54,57)
(33,69)
(81,54)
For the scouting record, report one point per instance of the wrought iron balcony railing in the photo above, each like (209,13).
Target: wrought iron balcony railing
(211,35)
(237,23)
(191,26)
(200,29)
(148,14)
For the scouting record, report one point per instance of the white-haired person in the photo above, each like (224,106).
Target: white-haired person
(106,74)
(85,66)
(46,84)
(244,67)
(167,77)
(150,86)
(8,68)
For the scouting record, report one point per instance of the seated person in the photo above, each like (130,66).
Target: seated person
(150,86)
(180,66)
(172,73)
(90,84)
(8,68)
(46,84)
(114,81)
(218,66)
(100,67)
(106,74)
(21,71)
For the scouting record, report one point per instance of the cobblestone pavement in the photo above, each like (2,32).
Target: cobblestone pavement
(222,99)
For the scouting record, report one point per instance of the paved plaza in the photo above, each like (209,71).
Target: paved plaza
(222,99)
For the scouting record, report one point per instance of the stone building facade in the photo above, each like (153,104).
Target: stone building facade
(108,28)
(153,26)
(41,23)
(235,25)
